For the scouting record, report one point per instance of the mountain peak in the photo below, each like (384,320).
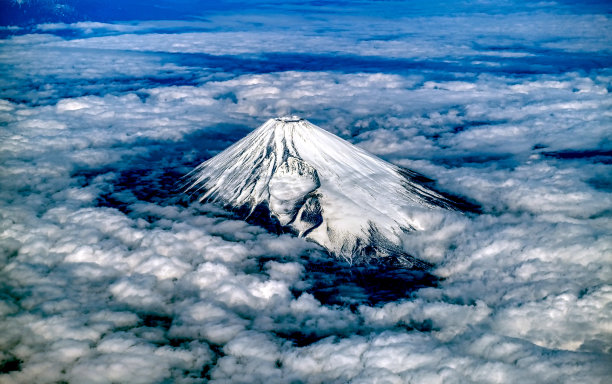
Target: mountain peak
(289,119)
(313,183)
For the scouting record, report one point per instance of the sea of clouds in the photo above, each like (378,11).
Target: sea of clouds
(108,273)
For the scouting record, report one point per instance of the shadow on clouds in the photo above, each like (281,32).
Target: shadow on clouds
(155,177)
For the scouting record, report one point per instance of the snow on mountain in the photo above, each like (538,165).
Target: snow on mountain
(308,181)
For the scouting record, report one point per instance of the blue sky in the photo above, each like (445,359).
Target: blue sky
(110,274)
(24,12)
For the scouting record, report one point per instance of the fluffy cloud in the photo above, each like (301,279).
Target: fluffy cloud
(110,274)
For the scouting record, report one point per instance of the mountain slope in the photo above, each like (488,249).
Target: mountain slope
(319,186)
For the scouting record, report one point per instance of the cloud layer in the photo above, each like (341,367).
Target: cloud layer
(109,274)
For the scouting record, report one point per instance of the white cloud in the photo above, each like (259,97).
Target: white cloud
(457,36)
(107,276)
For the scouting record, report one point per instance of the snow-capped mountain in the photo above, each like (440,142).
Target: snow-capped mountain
(319,186)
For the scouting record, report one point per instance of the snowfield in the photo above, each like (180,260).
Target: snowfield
(323,188)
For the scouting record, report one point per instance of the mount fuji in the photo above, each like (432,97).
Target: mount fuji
(297,177)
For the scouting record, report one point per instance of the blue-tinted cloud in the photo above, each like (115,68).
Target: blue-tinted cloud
(110,274)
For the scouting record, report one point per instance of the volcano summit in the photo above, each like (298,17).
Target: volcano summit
(305,180)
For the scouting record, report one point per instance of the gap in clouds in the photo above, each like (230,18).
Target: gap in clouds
(192,69)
